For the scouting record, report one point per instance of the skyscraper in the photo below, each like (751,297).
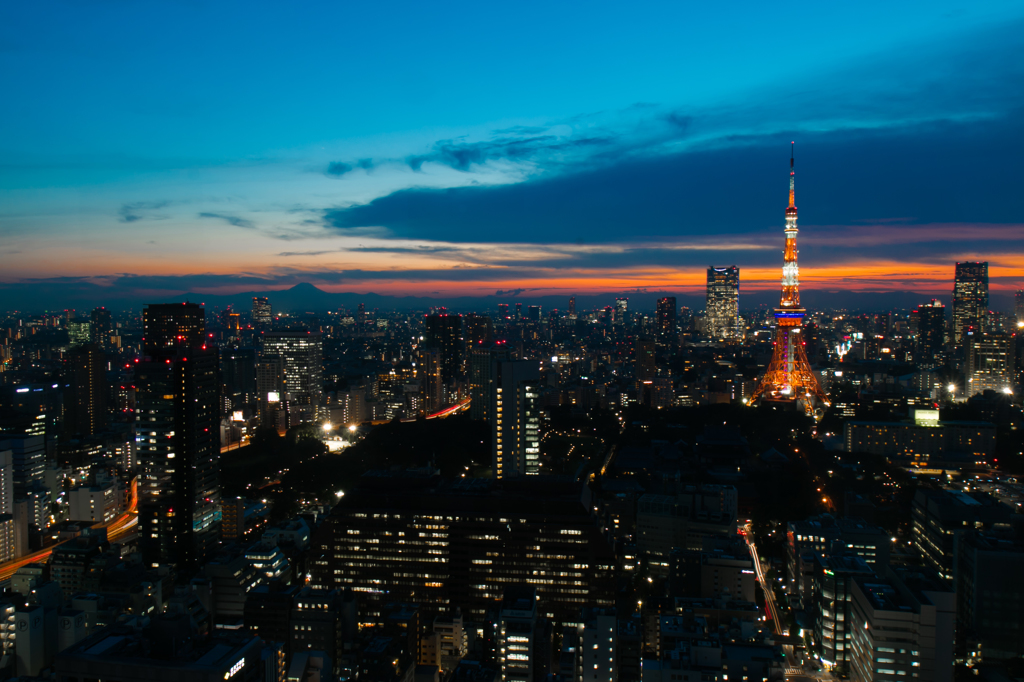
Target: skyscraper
(262,315)
(515,420)
(302,372)
(444,332)
(270,391)
(238,372)
(101,327)
(666,320)
(1018,306)
(166,327)
(572,307)
(481,377)
(990,362)
(970,298)
(428,371)
(177,437)
(931,332)
(503,311)
(721,316)
(646,368)
(478,330)
(789,378)
(533,313)
(86,398)
(621,310)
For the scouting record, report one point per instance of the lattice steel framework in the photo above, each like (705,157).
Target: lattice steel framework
(789,376)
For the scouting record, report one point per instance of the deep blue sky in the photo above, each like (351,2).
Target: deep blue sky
(404,147)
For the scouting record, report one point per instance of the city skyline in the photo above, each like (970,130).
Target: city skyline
(651,167)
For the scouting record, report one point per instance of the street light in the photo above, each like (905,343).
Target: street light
(328,426)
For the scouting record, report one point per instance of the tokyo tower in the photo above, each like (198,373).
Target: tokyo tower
(789,378)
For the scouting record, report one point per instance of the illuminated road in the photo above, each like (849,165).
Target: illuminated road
(769,594)
(117,528)
(447,412)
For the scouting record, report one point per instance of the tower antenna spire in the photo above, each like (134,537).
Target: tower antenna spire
(792,176)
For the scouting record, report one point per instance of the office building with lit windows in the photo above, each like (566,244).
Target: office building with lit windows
(621,311)
(825,535)
(262,315)
(902,626)
(990,362)
(722,312)
(517,626)
(302,374)
(419,539)
(942,517)
(515,420)
(970,298)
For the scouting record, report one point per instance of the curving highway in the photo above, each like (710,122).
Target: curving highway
(117,528)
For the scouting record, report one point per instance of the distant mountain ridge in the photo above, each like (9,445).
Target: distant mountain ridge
(306,297)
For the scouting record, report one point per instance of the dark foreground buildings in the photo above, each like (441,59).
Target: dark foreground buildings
(418,538)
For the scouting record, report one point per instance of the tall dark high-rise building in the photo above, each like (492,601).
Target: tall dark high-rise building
(1018,307)
(519,311)
(428,371)
(270,391)
(646,367)
(444,332)
(177,426)
(503,311)
(361,318)
(86,398)
(931,332)
(478,330)
(238,373)
(666,320)
(970,298)
(101,327)
(302,372)
(515,418)
(481,377)
(572,306)
(721,317)
(166,327)
(262,315)
(533,313)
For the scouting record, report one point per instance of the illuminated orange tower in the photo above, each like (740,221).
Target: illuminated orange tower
(789,378)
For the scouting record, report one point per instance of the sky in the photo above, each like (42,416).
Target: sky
(471,149)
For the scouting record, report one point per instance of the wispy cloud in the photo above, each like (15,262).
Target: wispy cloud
(139,210)
(230,219)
